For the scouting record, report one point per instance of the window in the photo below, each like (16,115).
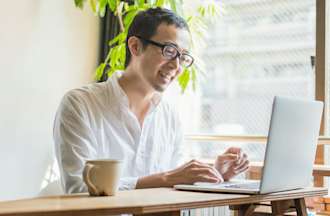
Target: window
(255,50)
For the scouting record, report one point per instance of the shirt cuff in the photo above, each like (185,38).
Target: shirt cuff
(128,183)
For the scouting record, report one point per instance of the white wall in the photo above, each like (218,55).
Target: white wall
(46,48)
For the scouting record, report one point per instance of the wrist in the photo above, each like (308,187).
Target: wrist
(166,179)
(155,180)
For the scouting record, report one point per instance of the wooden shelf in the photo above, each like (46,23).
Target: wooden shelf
(255,167)
(318,169)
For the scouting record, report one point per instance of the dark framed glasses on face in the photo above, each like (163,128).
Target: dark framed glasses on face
(170,52)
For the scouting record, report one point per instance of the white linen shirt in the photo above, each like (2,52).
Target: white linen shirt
(95,122)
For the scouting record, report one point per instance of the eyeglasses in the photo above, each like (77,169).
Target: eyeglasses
(170,52)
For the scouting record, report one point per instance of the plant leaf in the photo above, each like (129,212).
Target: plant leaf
(99,71)
(183,79)
(113,57)
(160,3)
(194,77)
(177,5)
(120,38)
(110,72)
(140,3)
(129,18)
(173,5)
(79,3)
(102,6)
(92,3)
(126,6)
(112,5)
(122,56)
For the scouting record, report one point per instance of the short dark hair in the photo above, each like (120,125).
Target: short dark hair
(146,22)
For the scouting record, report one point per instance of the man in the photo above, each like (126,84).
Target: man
(126,117)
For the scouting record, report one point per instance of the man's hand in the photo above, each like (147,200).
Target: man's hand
(191,172)
(231,163)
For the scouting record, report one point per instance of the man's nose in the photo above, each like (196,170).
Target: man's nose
(175,63)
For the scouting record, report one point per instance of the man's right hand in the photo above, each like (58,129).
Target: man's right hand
(191,172)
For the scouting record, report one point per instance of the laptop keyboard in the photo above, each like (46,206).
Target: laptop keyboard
(251,185)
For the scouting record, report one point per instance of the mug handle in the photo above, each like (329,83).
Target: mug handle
(86,174)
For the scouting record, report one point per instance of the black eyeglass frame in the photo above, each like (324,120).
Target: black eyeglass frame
(162,46)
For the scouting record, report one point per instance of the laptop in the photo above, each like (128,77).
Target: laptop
(290,151)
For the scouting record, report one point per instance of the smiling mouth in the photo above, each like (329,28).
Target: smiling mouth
(165,76)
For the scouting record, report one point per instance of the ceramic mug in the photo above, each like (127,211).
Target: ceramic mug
(102,176)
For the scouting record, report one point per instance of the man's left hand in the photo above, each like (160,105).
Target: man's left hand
(231,163)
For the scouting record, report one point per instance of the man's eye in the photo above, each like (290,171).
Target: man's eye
(185,58)
(170,51)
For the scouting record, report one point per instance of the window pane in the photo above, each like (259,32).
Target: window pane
(255,50)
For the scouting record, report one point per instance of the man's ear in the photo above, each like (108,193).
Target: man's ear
(134,45)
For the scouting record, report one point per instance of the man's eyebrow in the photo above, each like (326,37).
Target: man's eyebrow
(171,43)
(176,45)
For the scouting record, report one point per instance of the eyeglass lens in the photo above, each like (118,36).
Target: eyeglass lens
(171,52)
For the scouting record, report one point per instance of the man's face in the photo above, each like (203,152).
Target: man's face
(156,70)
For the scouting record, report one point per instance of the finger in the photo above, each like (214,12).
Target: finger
(205,178)
(239,166)
(235,170)
(233,150)
(242,159)
(192,162)
(227,157)
(213,170)
(198,164)
(208,171)
(246,163)
(229,175)
(242,168)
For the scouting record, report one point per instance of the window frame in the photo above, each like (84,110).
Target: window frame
(320,77)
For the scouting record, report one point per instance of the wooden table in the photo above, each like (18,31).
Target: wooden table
(157,201)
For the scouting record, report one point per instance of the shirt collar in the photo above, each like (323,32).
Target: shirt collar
(121,96)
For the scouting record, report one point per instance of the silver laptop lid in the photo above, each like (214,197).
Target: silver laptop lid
(291,144)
